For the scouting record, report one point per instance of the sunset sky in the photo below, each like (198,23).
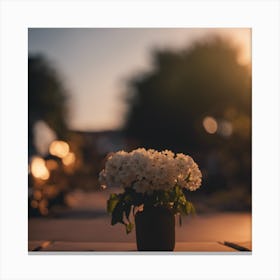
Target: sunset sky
(95,63)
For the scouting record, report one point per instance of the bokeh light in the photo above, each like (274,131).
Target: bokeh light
(225,128)
(37,194)
(50,191)
(59,148)
(69,159)
(43,204)
(34,204)
(39,169)
(210,125)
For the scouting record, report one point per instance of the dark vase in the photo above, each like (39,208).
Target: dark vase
(155,229)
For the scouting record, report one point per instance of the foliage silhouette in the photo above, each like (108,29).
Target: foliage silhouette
(167,106)
(47,98)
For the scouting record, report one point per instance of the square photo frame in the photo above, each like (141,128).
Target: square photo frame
(17,17)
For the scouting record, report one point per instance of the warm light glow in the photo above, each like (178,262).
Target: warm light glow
(43,203)
(51,164)
(59,148)
(69,159)
(39,169)
(45,244)
(210,125)
(50,191)
(37,194)
(34,204)
(241,38)
(225,128)
(244,42)
(44,211)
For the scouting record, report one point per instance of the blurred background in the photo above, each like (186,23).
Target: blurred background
(96,91)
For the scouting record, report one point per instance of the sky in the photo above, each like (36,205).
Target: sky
(95,63)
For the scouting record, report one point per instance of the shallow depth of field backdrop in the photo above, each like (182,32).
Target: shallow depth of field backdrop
(95,91)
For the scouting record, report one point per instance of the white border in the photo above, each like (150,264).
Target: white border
(262,16)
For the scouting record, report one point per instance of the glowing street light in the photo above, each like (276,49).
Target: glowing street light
(39,169)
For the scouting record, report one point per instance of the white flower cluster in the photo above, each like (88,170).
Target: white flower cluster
(148,170)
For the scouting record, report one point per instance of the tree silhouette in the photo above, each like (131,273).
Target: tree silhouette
(47,98)
(168,104)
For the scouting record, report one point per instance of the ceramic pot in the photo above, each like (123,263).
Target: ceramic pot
(155,229)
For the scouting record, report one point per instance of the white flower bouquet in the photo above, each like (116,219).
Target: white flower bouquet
(149,178)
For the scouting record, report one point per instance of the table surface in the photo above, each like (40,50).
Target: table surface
(191,247)
(220,232)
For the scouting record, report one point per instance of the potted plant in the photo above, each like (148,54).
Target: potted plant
(154,190)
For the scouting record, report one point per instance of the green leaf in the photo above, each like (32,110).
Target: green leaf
(182,199)
(114,196)
(189,208)
(176,207)
(177,190)
(172,194)
(182,209)
(163,196)
(137,198)
(193,211)
(117,214)
(129,227)
(127,209)
(112,202)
